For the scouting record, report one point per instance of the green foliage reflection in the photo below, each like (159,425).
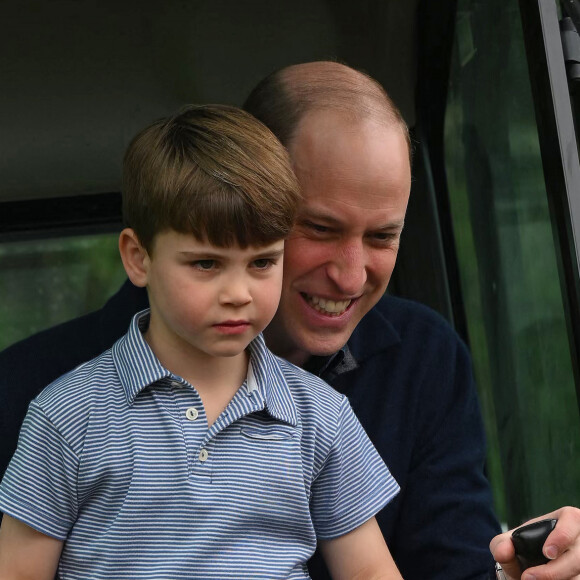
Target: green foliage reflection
(46,282)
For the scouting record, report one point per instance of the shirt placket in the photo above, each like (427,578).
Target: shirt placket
(243,403)
(192,418)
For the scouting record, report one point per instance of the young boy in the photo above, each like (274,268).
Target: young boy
(188,450)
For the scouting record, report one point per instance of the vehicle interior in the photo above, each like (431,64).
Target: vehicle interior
(489,91)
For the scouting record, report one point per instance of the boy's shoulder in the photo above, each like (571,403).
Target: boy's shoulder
(89,384)
(311,392)
(70,397)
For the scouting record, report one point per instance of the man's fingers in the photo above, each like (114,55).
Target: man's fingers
(565,567)
(502,548)
(562,547)
(503,552)
(566,535)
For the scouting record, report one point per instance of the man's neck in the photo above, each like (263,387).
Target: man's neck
(282,347)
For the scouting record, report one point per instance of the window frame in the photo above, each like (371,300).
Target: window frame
(60,216)
(555,121)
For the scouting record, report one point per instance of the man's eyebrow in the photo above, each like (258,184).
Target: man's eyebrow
(316,214)
(329,219)
(394,225)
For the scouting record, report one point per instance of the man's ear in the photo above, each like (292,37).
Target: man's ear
(135,257)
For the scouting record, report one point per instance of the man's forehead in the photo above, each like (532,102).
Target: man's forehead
(322,132)
(345,119)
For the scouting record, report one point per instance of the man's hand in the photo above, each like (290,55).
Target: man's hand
(562,548)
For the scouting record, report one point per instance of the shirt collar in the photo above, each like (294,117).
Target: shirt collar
(266,380)
(134,360)
(373,334)
(138,367)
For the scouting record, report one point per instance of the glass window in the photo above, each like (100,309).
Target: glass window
(507,260)
(45,282)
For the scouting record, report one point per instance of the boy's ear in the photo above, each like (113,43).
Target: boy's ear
(135,257)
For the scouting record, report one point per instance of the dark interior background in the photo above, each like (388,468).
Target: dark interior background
(79,77)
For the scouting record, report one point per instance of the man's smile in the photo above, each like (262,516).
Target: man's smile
(326,306)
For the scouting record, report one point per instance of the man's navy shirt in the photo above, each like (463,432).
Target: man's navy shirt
(409,380)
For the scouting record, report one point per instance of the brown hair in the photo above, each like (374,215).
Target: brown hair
(213,171)
(282,99)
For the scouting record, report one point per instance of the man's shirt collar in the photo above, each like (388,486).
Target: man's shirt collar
(374,334)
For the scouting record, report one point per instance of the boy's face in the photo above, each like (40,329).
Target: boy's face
(207,301)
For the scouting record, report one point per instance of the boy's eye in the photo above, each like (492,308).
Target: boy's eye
(204,264)
(263,263)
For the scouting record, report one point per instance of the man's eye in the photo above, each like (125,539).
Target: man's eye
(204,264)
(318,228)
(383,237)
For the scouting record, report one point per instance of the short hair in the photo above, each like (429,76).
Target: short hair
(285,96)
(213,171)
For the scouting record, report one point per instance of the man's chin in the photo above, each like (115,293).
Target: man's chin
(291,333)
(322,343)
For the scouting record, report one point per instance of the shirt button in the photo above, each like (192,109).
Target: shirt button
(192,413)
(203,455)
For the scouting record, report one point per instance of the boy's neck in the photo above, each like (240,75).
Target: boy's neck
(216,379)
(217,385)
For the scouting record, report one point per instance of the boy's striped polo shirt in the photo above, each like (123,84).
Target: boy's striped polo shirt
(116,459)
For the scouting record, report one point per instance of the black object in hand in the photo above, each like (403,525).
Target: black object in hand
(529,541)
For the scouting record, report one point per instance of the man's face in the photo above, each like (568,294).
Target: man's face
(355,178)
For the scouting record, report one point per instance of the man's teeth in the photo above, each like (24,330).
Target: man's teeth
(328,306)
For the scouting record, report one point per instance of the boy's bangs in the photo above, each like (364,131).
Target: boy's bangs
(225,219)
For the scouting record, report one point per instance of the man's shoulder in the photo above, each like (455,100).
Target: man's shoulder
(407,322)
(402,339)
(37,360)
(402,312)
(62,346)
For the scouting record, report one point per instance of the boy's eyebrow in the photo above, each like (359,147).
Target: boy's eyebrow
(210,253)
(202,254)
(269,253)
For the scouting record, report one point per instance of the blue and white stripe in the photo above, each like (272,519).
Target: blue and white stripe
(113,460)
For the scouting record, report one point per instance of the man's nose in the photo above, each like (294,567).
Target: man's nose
(348,268)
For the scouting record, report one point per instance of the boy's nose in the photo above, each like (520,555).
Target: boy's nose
(235,292)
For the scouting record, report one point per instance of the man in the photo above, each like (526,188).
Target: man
(406,373)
